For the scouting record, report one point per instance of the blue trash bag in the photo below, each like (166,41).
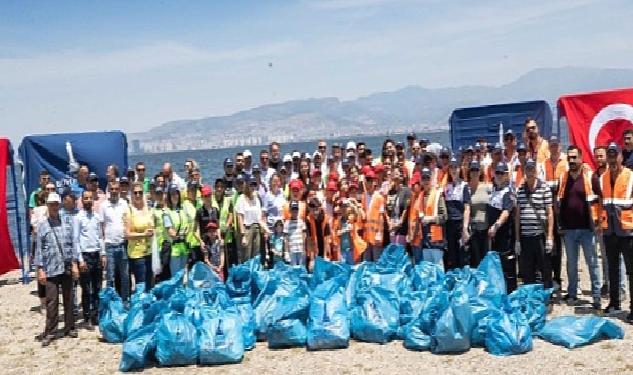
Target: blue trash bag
(165,289)
(176,342)
(491,267)
(426,274)
(376,316)
(138,349)
(155,311)
(287,333)
(111,317)
(395,258)
(328,321)
(416,339)
(245,310)
(238,283)
(325,270)
(202,276)
(486,299)
(453,329)
(508,334)
(531,301)
(410,308)
(220,339)
(417,333)
(574,331)
(134,320)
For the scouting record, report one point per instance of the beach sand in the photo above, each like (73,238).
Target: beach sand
(21,354)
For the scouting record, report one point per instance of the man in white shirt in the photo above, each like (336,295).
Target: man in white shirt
(112,212)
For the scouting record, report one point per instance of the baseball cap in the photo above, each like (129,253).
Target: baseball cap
(474,166)
(192,185)
(613,147)
(296,185)
(530,163)
(411,136)
(497,147)
(400,145)
(159,189)
(454,162)
(336,145)
(287,158)
(478,146)
(332,186)
(240,178)
(173,188)
(554,140)
(306,155)
(206,190)
(53,198)
(228,161)
(124,180)
(93,177)
(330,158)
(351,145)
(370,175)
(508,132)
(296,155)
(256,168)
(426,172)
(345,161)
(316,153)
(247,153)
(212,225)
(424,140)
(521,147)
(294,205)
(502,167)
(444,152)
(351,154)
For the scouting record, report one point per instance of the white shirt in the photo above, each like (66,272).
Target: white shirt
(250,208)
(112,215)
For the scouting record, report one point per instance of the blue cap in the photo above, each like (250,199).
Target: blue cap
(502,167)
(345,161)
(474,166)
(426,172)
(193,184)
(159,189)
(240,178)
(554,140)
(521,147)
(454,162)
(508,132)
(444,151)
(93,177)
(530,163)
(124,180)
(228,161)
(497,147)
(613,147)
(256,168)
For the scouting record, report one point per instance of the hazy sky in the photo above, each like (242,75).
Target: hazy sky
(132,65)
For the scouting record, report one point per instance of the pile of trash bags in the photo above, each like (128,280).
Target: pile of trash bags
(202,320)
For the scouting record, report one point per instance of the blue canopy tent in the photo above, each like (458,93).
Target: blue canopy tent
(468,124)
(59,154)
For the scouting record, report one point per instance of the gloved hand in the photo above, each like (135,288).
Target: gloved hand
(549,246)
(517,248)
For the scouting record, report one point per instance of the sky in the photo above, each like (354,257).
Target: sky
(132,65)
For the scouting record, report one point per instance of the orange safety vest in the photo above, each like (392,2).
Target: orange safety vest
(489,175)
(442,177)
(374,223)
(414,217)
(517,175)
(302,210)
(311,242)
(593,203)
(553,173)
(430,209)
(619,198)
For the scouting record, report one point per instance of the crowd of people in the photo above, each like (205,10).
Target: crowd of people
(523,200)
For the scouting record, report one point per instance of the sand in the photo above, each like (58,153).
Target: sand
(21,354)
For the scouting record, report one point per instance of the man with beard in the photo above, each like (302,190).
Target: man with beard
(618,226)
(239,164)
(275,155)
(578,201)
(537,146)
(627,150)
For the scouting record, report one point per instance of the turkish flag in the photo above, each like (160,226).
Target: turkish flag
(597,118)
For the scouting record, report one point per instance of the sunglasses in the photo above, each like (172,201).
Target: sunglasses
(50,189)
(499,173)
(322,147)
(138,193)
(140,169)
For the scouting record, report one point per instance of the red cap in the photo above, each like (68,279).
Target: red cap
(365,169)
(206,191)
(296,184)
(332,185)
(370,175)
(212,225)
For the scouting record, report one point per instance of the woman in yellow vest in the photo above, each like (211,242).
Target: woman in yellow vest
(432,216)
(139,224)
(177,226)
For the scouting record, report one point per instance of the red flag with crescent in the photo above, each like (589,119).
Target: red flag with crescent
(597,118)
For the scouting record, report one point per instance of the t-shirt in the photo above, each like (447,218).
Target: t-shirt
(533,207)
(501,199)
(294,229)
(140,221)
(273,206)
(478,201)
(574,213)
(251,208)
(276,243)
(456,197)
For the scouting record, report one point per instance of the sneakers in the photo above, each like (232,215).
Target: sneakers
(611,310)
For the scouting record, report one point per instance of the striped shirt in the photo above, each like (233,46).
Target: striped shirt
(533,207)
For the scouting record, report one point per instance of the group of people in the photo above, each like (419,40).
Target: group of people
(522,200)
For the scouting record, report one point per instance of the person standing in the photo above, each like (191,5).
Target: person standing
(373,204)
(250,223)
(432,217)
(90,247)
(538,147)
(56,261)
(457,198)
(617,224)
(139,229)
(479,192)
(318,232)
(578,201)
(295,235)
(190,205)
(223,202)
(534,226)
(112,212)
(178,226)
(499,220)
(399,220)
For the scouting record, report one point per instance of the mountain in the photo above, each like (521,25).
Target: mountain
(410,108)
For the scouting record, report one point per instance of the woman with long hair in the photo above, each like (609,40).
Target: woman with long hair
(139,229)
(479,198)
(177,226)
(251,224)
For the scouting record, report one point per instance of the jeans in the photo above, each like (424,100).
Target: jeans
(141,268)
(298,259)
(176,263)
(605,266)
(434,256)
(90,280)
(533,258)
(573,239)
(118,265)
(617,246)
(372,253)
(53,284)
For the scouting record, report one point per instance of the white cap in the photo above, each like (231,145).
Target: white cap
(247,153)
(307,156)
(351,145)
(351,154)
(287,158)
(296,154)
(53,198)
(316,153)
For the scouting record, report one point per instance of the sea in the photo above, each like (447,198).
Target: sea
(210,164)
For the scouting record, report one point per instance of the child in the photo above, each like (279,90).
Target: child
(351,243)
(214,250)
(295,236)
(277,245)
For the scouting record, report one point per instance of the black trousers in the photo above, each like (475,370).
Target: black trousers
(556,257)
(615,246)
(478,246)
(454,256)
(65,282)
(533,258)
(91,280)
